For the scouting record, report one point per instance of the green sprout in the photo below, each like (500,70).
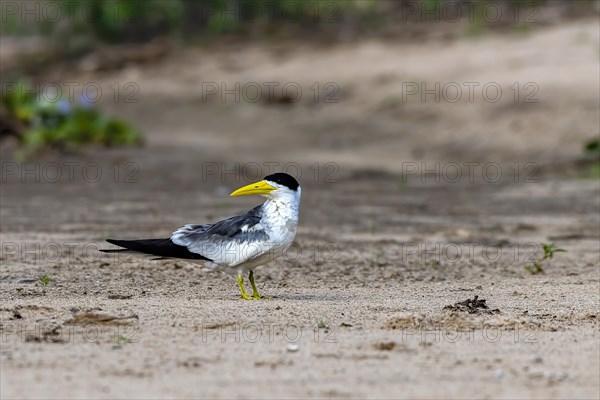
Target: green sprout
(537,266)
(591,152)
(46,280)
(121,340)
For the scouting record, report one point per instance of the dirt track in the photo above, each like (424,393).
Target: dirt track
(358,310)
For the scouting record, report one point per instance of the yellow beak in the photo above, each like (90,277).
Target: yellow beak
(261,187)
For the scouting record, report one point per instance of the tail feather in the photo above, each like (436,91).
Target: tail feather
(157,247)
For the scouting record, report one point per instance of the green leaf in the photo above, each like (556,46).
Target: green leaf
(65,126)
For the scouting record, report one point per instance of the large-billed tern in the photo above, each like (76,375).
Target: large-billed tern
(239,244)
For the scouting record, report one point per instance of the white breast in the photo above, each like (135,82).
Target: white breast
(279,221)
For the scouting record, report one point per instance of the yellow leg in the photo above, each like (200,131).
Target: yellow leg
(255,294)
(241,283)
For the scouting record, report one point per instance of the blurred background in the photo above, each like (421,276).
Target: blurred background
(363,84)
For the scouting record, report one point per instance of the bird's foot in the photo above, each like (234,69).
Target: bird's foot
(246,297)
(255,293)
(258,296)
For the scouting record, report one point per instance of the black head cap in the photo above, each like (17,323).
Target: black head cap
(283,179)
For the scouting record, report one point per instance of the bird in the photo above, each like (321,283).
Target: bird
(239,244)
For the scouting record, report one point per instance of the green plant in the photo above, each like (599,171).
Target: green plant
(61,124)
(372,226)
(476,24)
(125,20)
(121,340)
(379,258)
(591,153)
(592,148)
(537,266)
(46,280)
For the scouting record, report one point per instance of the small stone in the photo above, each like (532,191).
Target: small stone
(292,347)
(499,373)
(537,359)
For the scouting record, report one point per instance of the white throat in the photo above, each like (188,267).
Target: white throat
(280,215)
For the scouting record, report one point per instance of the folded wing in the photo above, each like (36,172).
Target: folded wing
(231,241)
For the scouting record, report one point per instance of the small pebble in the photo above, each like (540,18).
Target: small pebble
(537,359)
(499,373)
(293,347)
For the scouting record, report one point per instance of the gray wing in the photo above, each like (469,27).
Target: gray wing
(229,241)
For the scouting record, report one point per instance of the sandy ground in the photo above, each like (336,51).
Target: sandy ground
(358,304)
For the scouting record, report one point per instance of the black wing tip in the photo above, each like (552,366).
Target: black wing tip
(116,243)
(163,248)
